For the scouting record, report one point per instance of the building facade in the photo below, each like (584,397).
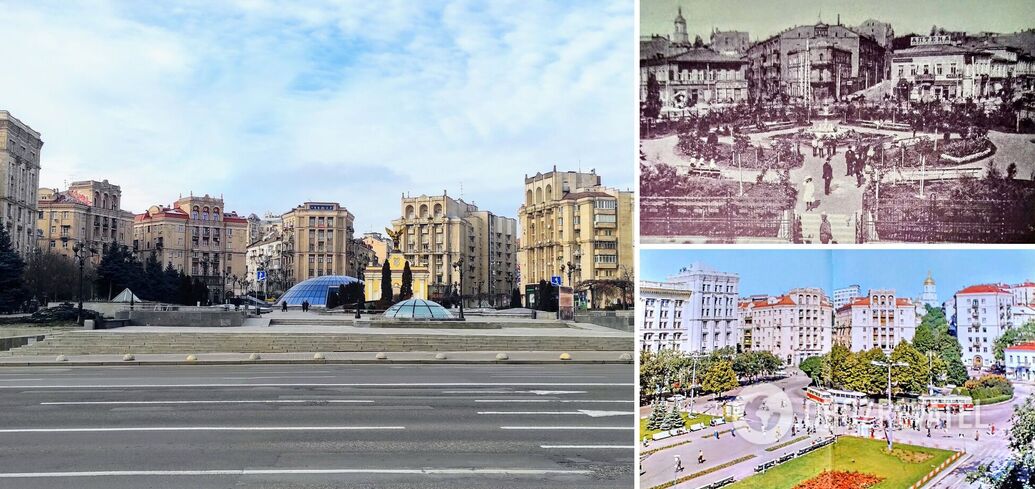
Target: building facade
(574,228)
(793,326)
(729,43)
(927,72)
(318,241)
(1020,361)
(881,319)
(983,314)
(771,75)
(695,310)
(267,255)
(197,237)
(436,231)
(379,245)
(821,72)
(846,295)
(88,212)
(20,148)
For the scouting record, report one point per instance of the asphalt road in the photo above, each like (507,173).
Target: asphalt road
(317,426)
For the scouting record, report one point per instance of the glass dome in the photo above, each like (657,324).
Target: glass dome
(417,309)
(314,290)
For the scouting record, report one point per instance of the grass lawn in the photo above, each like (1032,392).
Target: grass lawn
(698,418)
(849,454)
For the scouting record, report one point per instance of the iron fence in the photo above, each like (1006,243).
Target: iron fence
(720,218)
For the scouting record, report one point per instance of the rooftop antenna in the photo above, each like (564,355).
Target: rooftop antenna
(461,190)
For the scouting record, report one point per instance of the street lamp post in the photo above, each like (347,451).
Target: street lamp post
(891,407)
(459,265)
(693,383)
(80,256)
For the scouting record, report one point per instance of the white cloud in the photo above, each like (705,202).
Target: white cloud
(270,103)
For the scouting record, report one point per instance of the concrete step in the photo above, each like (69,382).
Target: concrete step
(842,227)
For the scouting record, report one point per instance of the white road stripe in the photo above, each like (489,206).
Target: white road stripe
(553,400)
(199,428)
(401,384)
(552,428)
(302,376)
(17,380)
(530,412)
(265,401)
(152,473)
(624,447)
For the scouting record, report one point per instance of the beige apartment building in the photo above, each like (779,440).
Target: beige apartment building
(793,326)
(88,212)
(196,236)
(379,245)
(570,220)
(318,241)
(20,149)
(435,231)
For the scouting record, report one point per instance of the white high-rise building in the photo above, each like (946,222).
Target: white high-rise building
(793,326)
(879,320)
(1024,292)
(845,295)
(694,310)
(983,313)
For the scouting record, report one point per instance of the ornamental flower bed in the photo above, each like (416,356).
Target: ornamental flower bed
(840,480)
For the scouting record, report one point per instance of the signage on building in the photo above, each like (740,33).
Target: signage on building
(260,276)
(321,207)
(929,40)
(556,280)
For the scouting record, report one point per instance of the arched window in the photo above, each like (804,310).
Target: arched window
(438,210)
(215,214)
(423,210)
(549,193)
(539,195)
(204,214)
(194,213)
(528,197)
(409,212)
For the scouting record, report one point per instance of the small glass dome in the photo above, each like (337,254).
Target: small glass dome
(314,290)
(417,309)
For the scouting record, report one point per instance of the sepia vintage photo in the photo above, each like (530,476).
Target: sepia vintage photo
(818,122)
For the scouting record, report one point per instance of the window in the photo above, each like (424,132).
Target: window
(605,218)
(605,204)
(606,258)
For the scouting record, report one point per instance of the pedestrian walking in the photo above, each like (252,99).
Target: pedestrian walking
(283,306)
(679,464)
(808,194)
(826,235)
(815,147)
(828,175)
(849,161)
(700,456)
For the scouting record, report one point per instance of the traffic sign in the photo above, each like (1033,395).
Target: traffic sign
(260,276)
(555,280)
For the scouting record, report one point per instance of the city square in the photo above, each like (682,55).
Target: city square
(793,388)
(829,132)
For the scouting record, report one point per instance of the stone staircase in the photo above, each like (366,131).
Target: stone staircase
(97,343)
(842,226)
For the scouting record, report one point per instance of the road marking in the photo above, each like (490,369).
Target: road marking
(562,428)
(594,414)
(283,377)
(199,428)
(550,413)
(554,400)
(401,384)
(152,473)
(16,380)
(624,447)
(264,401)
(538,393)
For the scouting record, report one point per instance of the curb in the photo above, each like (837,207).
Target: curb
(106,363)
(942,470)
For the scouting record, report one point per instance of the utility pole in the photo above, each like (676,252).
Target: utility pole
(693,384)
(891,406)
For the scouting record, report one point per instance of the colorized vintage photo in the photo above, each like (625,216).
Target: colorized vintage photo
(804,121)
(820,369)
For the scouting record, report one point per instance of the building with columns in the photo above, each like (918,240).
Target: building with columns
(88,212)
(694,310)
(437,230)
(196,236)
(983,313)
(880,319)
(793,326)
(575,228)
(20,148)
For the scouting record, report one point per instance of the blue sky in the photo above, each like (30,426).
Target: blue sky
(776,271)
(274,103)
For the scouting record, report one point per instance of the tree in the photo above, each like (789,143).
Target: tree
(932,334)
(719,377)
(657,417)
(51,276)
(118,270)
(698,42)
(813,367)
(12,268)
(1013,336)
(912,378)
(651,107)
(386,284)
(861,375)
(406,289)
(515,298)
(840,366)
